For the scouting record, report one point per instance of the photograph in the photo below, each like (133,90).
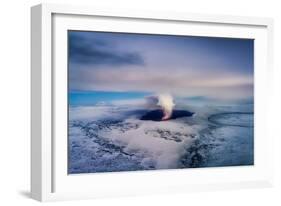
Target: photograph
(142,102)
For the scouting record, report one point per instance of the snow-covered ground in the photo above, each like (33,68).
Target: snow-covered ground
(107,138)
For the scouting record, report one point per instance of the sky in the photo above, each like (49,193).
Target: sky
(106,66)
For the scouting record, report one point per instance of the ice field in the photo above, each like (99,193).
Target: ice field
(111,138)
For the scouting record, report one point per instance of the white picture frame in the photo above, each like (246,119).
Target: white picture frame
(49,178)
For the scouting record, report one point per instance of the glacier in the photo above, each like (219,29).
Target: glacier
(113,138)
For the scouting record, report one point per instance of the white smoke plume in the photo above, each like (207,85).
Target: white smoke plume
(163,100)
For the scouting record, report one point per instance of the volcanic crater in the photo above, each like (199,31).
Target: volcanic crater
(158,114)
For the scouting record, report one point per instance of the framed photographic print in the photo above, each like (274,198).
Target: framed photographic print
(135,102)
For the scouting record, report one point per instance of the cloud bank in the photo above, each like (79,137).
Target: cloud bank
(85,50)
(183,66)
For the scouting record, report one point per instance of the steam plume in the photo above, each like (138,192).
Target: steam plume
(165,101)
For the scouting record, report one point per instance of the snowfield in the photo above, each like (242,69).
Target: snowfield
(111,138)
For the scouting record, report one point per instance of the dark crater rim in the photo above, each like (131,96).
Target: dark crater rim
(157,115)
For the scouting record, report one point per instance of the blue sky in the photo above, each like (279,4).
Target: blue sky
(93,97)
(110,66)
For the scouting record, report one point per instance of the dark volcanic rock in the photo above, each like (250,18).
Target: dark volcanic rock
(156,115)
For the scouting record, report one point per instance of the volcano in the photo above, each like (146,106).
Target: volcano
(157,115)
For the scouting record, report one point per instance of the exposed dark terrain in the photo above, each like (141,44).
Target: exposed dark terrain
(157,115)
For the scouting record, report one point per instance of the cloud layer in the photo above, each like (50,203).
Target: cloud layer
(83,50)
(184,66)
